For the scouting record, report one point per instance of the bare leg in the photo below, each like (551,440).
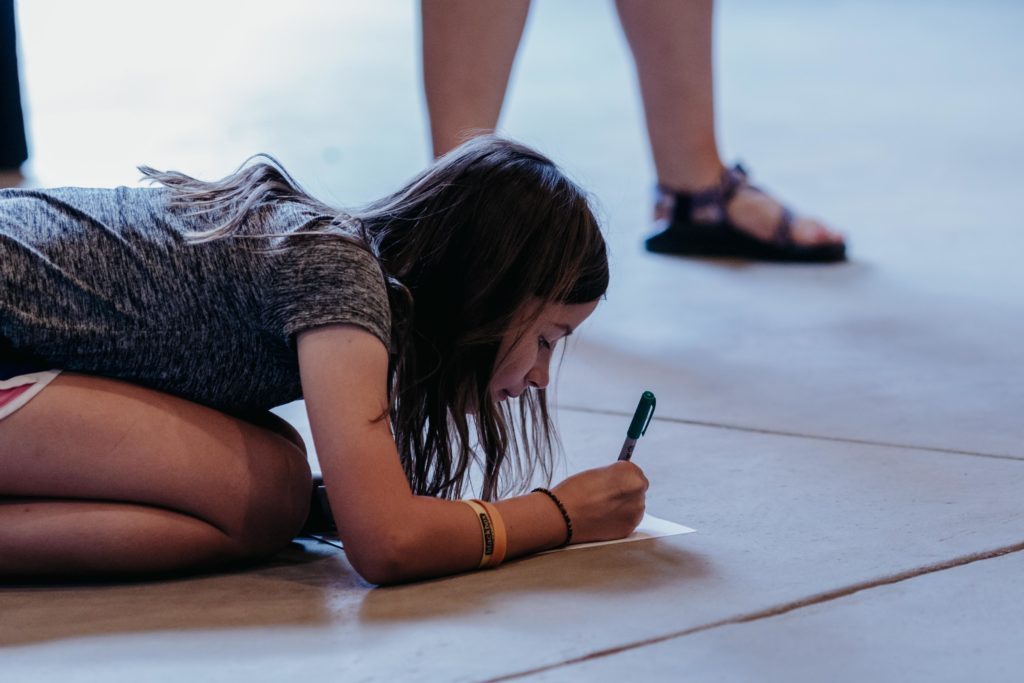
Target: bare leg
(671,41)
(468,50)
(81,538)
(102,477)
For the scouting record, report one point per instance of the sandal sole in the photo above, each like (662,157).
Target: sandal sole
(722,241)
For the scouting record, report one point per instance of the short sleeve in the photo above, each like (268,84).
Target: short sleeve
(323,280)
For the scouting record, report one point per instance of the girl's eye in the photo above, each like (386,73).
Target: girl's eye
(544,343)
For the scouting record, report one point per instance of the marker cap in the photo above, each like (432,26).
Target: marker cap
(642,416)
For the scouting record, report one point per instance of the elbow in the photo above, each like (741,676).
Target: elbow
(381,561)
(377,570)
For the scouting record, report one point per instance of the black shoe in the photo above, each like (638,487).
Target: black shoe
(698,225)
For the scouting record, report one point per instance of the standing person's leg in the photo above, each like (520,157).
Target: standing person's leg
(13,147)
(101,477)
(672,45)
(468,50)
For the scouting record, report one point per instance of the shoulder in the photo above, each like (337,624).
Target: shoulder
(328,278)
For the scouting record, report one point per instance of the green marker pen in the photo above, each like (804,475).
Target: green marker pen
(638,427)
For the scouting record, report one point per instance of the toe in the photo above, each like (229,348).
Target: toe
(812,231)
(807,232)
(829,236)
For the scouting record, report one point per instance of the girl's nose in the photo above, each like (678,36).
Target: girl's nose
(538,376)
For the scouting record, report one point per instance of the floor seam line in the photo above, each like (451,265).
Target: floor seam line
(778,610)
(777,432)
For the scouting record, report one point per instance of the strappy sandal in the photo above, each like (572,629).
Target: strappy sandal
(698,225)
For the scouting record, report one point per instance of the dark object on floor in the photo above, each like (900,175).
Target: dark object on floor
(697,225)
(320,520)
(13,146)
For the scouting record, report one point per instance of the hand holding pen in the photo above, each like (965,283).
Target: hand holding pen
(607,503)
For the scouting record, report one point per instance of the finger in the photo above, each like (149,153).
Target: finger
(645,483)
(631,466)
(639,516)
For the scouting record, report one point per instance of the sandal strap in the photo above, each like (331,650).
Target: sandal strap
(783,234)
(702,206)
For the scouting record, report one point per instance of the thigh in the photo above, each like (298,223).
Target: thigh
(91,438)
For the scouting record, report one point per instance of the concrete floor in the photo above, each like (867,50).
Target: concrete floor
(846,440)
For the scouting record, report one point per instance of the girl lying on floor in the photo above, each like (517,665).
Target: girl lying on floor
(145,333)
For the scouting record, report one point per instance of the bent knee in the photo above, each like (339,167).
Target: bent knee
(276,499)
(279,426)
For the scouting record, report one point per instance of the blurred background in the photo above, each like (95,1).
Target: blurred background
(837,106)
(898,122)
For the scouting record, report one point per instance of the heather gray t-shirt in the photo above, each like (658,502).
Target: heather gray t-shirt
(104,281)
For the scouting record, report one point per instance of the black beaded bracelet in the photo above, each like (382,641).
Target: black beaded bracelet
(561,508)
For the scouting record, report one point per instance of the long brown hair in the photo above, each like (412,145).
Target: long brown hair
(491,229)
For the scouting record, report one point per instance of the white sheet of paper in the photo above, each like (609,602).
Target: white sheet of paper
(649,527)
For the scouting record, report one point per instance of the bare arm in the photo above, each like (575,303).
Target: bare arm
(391,535)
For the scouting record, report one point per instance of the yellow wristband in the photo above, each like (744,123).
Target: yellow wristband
(487,530)
(500,533)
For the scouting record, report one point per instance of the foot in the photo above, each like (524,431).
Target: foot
(758,214)
(732,218)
